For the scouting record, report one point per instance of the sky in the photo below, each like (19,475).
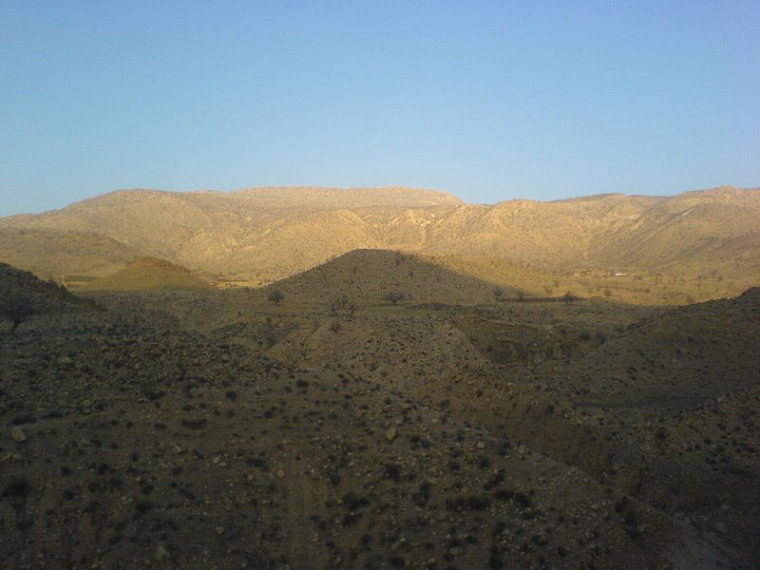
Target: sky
(488,100)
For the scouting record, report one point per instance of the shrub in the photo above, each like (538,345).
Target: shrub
(395,296)
(16,308)
(340,303)
(276,297)
(471,503)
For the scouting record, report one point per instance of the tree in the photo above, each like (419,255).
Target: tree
(276,297)
(498,294)
(340,303)
(16,308)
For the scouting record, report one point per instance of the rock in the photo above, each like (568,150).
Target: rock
(18,435)
(65,361)
(161,553)
(391,434)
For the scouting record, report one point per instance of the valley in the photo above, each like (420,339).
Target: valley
(381,379)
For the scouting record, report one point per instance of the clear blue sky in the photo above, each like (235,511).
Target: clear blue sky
(488,100)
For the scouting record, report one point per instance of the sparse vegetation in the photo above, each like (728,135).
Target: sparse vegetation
(16,308)
(276,296)
(207,429)
(339,303)
(395,296)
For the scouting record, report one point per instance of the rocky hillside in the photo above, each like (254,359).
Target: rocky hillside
(262,235)
(22,295)
(392,441)
(46,295)
(683,385)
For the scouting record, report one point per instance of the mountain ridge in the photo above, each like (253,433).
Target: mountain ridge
(260,235)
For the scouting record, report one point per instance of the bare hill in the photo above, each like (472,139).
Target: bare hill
(698,245)
(381,276)
(23,295)
(148,273)
(709,232)
(63,254)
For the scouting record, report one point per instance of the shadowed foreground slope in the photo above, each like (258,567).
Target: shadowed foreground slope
(132,443)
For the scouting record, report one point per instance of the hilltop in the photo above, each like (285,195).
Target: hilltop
(372,276)
(144,274)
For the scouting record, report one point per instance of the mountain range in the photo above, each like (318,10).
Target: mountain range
(709,239)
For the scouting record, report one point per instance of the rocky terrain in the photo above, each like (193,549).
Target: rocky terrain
(224,429)
(653,250)
(23,295)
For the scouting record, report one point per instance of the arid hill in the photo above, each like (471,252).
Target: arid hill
(373,276)
(63,256)
(22,295)
(693,246)
(146,274)
(263,233)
